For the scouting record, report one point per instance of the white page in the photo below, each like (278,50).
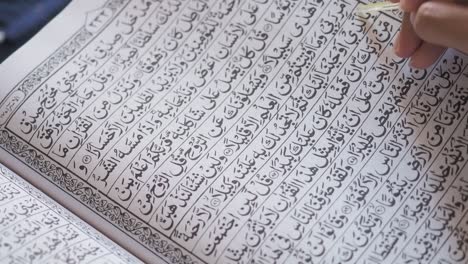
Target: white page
(34,229)
(246,131)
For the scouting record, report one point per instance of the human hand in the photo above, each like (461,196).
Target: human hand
(428,28)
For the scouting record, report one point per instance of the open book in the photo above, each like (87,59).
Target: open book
(230,131)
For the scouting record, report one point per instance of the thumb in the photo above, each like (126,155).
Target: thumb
(441,23)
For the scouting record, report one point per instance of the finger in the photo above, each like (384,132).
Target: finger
(407,41)
(426,55)
(444,24)
(410,5)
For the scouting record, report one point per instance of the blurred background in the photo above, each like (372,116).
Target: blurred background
(22,19)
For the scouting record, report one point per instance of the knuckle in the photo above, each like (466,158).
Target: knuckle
(423,16)
(427,9)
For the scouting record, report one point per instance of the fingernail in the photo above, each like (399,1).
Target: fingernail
(396,45)
(412,18)
(402,4)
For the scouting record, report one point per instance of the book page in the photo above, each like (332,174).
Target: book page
(34,229)
(245,132)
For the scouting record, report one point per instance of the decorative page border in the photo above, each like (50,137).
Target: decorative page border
(63,54)
(66,214)
(93,199)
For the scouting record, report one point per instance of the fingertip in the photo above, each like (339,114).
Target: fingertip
(396,46)
(400,49)
(426,56)
(418,64)
(407,42)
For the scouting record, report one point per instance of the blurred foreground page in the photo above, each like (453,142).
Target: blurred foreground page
(34,229)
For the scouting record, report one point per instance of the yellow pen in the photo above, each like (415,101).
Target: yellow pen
(376,7)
